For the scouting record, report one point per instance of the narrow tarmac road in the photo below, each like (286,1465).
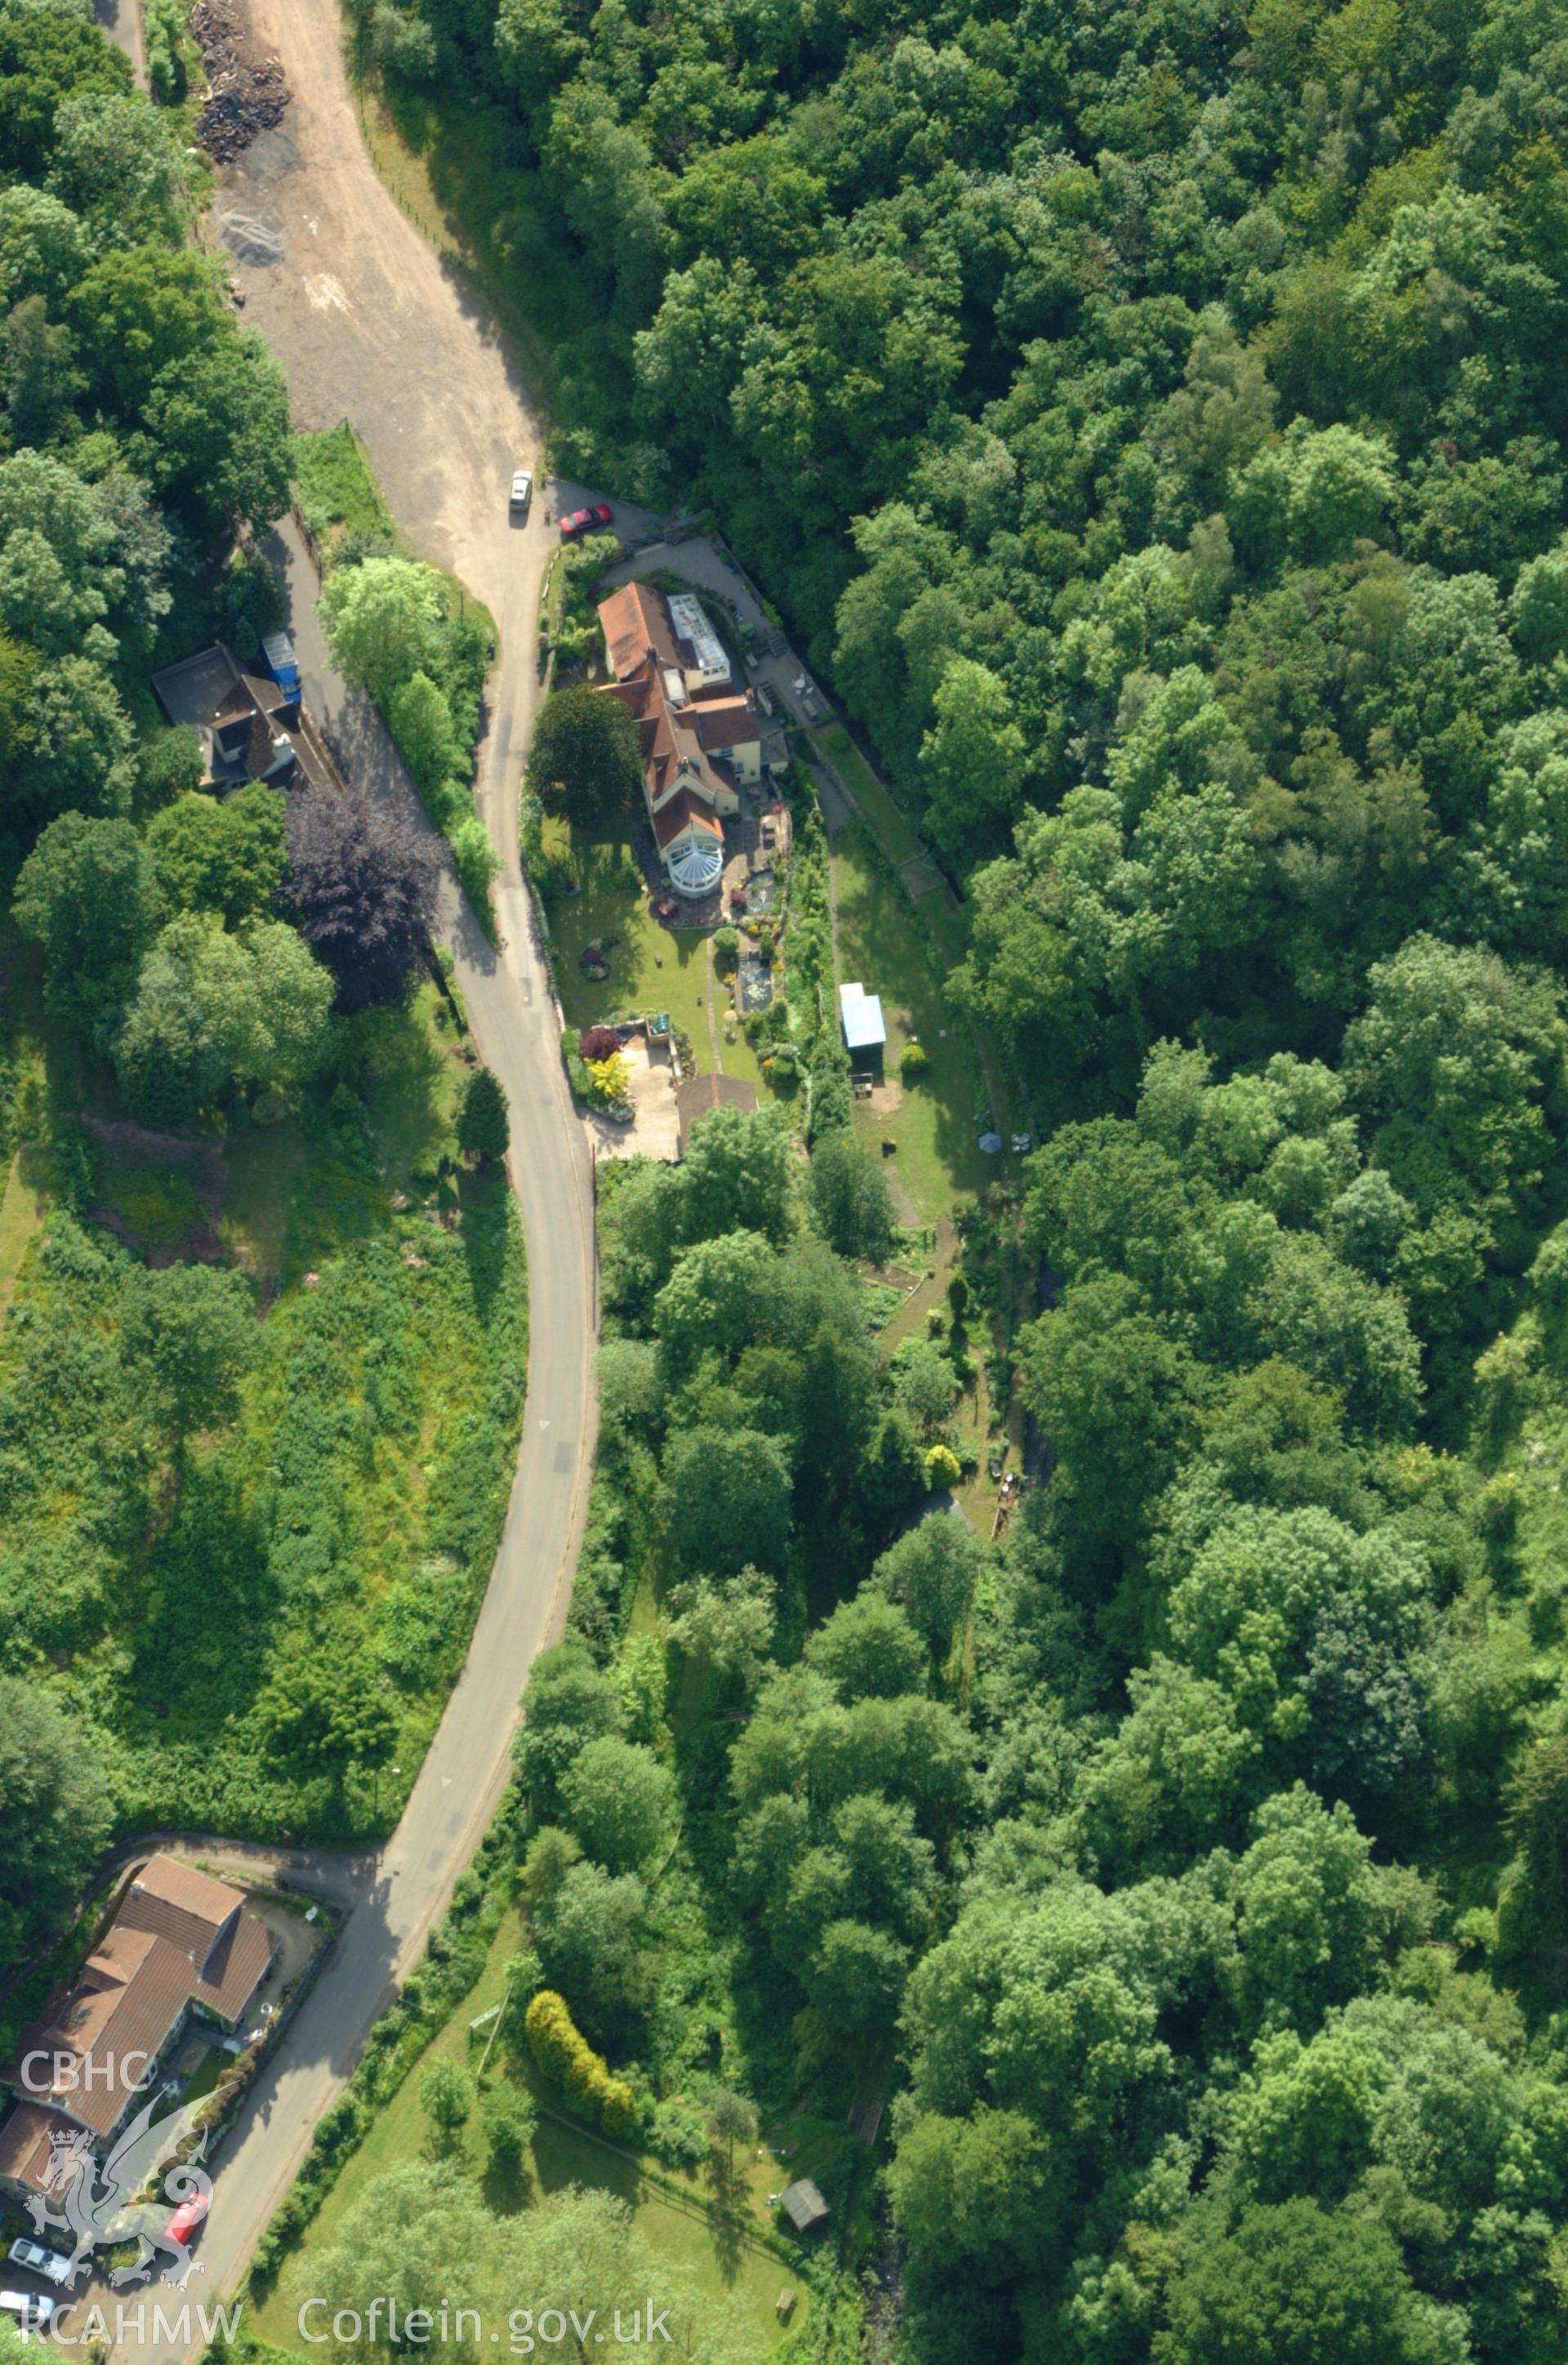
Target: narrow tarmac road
(371,326)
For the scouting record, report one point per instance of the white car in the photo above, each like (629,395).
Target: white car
(32,2313)
(41,2262)
(523,490)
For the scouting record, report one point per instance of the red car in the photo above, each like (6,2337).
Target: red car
(585,521)
(188,2217)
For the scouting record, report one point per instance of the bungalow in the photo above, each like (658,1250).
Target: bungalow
(182,1945)
(700,737)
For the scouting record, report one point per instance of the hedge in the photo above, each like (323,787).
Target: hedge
(564,2055)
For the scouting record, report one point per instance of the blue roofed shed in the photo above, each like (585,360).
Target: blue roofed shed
(861,1015)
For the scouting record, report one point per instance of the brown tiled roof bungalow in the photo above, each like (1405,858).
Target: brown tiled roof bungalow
(207,1920)
(253,693)
(180,1938)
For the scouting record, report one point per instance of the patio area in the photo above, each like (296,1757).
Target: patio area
(655,1127)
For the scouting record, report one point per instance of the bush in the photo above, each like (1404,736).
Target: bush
(942,1467)
(833,1104)
(564,2055)
(477,863)
(164,27)
(404,45)
(726,950)
(598,1043)
(915,1062)
(577,1071)
(508,2119)
(608,1082)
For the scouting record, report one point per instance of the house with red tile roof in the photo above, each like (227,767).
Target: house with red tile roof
(701,738)
(183,1946)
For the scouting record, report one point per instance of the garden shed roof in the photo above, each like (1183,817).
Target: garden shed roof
(862,1015)
(803,2206)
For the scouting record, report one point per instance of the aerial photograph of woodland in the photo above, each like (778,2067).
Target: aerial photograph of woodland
(784,1182)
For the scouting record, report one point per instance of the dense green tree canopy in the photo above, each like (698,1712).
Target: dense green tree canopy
(59,1807)
(89,893)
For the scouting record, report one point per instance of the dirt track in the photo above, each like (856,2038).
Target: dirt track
(372,326)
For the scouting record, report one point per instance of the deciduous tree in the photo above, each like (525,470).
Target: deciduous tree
(584,762)
(362,877)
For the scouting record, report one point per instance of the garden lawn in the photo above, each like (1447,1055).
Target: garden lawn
(939,908)
(937,1123)
(560,2155)
(651,967)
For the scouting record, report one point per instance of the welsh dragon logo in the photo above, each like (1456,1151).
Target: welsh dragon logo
(106,2204)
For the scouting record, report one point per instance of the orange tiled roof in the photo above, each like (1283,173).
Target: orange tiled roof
(724,722)
(636,625)
(677,814)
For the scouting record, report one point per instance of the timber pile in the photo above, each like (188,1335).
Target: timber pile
(245,94)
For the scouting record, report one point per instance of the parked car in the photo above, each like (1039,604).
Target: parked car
(31,2313)
(188,2217)
(523,490)
(41,2261)
(585,521)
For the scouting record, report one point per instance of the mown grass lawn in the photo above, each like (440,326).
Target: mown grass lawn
(937,1124)
(939,908)
(651,967)
(561,2156)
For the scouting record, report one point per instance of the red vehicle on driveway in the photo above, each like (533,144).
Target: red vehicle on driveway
(584,520)
(188,2217)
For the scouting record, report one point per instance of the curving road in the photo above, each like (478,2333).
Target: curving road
(370,325)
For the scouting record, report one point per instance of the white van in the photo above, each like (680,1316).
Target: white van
(32,2313)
